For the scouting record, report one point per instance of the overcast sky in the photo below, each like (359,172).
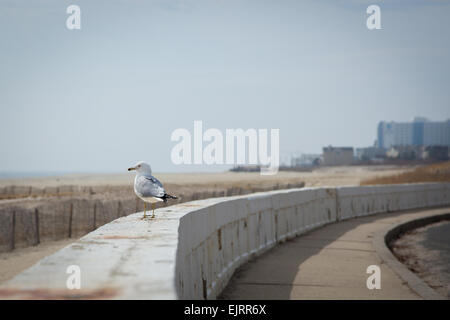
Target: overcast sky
(110,94)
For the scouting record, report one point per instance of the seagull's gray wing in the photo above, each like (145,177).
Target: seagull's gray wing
(149,186)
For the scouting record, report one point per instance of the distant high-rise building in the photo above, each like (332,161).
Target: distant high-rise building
(420,132)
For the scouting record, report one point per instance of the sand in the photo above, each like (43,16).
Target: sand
(417,251)
(331,176)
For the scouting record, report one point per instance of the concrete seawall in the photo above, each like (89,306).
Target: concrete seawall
(75,211)
(192,249)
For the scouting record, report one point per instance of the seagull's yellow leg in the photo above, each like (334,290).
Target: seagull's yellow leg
(153,208)
(145,208)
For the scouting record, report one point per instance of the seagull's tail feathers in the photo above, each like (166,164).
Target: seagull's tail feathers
(166,196)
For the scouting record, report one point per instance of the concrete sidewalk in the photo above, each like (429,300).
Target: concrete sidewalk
(328,263)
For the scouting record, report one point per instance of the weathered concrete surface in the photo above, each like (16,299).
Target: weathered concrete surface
(128,258)
(15,262)
(328,263)
(192,249)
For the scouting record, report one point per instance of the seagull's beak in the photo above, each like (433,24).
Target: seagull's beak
(131,169)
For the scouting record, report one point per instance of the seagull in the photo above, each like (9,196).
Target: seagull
(147,187)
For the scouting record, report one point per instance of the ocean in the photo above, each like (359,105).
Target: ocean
(32,174)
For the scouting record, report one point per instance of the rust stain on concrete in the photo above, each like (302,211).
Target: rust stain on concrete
(123,237)
(58,294)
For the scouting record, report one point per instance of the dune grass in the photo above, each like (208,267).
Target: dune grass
(437,172)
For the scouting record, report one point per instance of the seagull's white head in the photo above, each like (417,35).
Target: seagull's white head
(142,167)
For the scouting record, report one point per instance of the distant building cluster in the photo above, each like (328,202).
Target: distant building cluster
(419,140)
(420,132)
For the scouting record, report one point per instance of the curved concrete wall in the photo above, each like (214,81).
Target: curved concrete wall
(191,250)
(361,201)
(231,231)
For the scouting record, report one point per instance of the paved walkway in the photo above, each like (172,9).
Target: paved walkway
(328,263)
